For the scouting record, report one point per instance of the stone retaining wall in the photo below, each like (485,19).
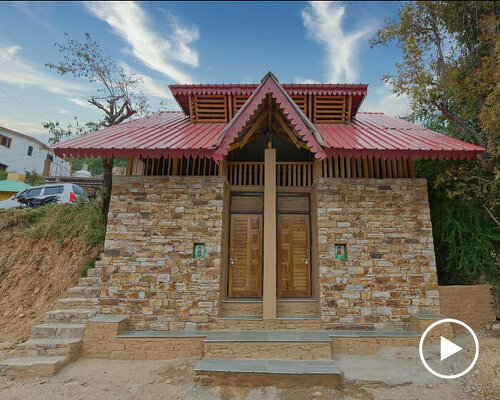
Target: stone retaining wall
(149,272)
(472,304)
(390,270)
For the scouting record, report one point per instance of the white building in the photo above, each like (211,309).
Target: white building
(21,153)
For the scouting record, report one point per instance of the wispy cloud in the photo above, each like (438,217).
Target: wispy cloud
(17,71)
(323,21)
(381,98)
(29,127)
(80,102)
(304,80)
(129,21)
(149,86)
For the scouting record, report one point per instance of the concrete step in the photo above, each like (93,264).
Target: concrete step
(50,347)
(57,330)
(281,373)
(280,345)
(94,272)
(251,323)
(78,302)
(83,291)
(33,366)
(94,281)
(70,315)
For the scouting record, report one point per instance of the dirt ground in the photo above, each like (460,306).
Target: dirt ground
(39,274)
(127,380)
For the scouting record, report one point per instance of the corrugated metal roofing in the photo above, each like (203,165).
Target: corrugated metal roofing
(380,135)
(170,133)
(12,186)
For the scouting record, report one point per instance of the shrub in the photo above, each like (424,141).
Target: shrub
(85,267)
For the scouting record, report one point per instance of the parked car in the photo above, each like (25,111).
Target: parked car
(65,192)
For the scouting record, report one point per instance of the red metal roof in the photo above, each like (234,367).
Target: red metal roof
(167,133)
(358,91)
(380,135)
(171,133)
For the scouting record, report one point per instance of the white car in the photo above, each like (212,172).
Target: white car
(66,193)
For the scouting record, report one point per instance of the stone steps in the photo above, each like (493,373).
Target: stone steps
(94,272)
(50,347)
(57,330)
(69,316)
(83,291)
(252,372)
(93,281)
(279,345)
(33,366)
(78,302)
(250,323)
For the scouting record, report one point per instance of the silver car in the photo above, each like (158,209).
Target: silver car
(66,193)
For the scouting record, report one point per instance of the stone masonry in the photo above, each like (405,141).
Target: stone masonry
(150,274)
(390,270)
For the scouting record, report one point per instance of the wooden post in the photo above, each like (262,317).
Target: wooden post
(269,287)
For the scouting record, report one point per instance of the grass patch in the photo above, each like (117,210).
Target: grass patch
(4,271)
(61,222)
(89,264)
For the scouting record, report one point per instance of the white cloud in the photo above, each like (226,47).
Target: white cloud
(323,21)
(80,102)
(27,127)
(381,98)
(304,80)
(63,111)
(17,71)
(129,21)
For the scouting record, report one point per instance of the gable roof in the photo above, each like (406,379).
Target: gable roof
(3,128)
(303,126)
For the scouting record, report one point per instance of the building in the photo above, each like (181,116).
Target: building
(12,185)
(258,206)
(21,153)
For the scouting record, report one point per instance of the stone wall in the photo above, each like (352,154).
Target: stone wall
(390,271)
(472,304)
(149,272)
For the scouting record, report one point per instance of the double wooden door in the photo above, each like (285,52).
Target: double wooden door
(246,247)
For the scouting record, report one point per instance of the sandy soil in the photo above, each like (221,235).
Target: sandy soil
(126,380)
(39,274)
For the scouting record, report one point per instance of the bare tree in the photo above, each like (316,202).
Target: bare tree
(114,91)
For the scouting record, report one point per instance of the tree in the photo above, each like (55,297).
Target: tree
(450,72)
(116,94)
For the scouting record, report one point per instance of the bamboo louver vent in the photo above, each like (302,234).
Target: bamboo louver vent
(301,101)
(238,101)
(329,109)
(210,108)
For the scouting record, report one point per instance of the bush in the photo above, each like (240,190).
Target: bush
(89,264)
(58,221)
(3,175)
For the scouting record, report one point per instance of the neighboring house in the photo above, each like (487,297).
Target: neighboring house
(11,186)
(265,205)
(21,153)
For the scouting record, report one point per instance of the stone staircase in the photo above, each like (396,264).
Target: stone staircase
(58,340)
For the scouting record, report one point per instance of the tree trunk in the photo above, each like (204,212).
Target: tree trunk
(107,184)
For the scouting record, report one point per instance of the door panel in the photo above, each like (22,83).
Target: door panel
(245,256)
(294,256)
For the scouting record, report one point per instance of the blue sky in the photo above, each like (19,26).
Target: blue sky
(188,42)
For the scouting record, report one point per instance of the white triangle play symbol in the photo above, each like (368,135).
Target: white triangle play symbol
(448,348)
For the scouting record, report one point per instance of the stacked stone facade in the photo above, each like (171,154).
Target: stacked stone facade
(390,270)
(150,273)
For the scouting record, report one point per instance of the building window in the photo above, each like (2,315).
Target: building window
(30,150)
(5,141)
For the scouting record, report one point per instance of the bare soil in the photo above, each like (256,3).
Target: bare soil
(38,274)
(127,380)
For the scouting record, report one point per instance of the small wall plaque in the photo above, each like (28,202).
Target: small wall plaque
(340,252)
(199,250)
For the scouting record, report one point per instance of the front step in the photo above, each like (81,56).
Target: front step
(247,323)
(281,373)
(69,316)
(279,345)
(83,291)
(50,347)
(78,302)
(94,272)
(54,330)
(33,366)
(90,281)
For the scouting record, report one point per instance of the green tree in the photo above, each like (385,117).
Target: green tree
(116,95)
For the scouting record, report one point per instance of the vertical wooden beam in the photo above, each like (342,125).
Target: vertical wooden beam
(130,164)
(230,108)
(269,287)
(191,113)
(310,106)
(365,168)
(342,168)
(382,168)
(349,107)
(175,166)
(411,168)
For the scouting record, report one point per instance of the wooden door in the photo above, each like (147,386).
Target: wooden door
(294,255)
(245,255)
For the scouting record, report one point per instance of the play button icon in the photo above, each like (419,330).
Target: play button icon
(444,366)
(448,348)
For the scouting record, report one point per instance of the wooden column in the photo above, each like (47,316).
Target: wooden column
(269,287)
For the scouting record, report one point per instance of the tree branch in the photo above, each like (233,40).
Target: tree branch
(462,124)
(491,215)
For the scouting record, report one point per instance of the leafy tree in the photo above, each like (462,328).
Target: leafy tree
(450,72)
(3,175)
(115,94)
(33,178)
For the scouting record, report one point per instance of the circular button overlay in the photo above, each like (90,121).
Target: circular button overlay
(448,349)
